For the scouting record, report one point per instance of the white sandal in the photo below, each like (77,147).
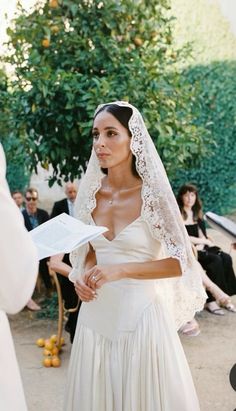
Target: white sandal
(191,329)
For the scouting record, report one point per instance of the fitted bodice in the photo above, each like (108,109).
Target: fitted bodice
(120,303)
(132,244)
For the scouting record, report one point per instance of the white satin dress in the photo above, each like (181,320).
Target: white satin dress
(126,355)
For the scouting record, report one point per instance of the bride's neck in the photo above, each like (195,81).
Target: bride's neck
(121,181)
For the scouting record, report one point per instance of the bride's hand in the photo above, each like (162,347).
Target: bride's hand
(84,292)
(101,274)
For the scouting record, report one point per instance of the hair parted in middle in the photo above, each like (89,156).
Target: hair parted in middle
(122,114)
(197,207)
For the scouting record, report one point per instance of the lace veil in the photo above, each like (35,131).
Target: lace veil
(184,295)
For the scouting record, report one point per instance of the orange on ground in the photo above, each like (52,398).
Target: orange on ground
(49,345)
(55,351)
(40,342)
(53,338)
(47,362)
(47,352)
(56,362)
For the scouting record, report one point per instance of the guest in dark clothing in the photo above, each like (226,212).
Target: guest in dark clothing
(61,265)
(66,205)
(19,199)
(34,216)
(217,264)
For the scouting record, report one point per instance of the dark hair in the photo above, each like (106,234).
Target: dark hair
(197,207)
(31,190)
(16,192)
(122,114)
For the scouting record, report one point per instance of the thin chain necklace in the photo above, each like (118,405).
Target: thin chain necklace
(110,202)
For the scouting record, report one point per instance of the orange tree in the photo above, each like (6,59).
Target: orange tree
(69,56)
(17,170)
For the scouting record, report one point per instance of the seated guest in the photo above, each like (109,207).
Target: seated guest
(18,198)
(217,264)
(66,205)
(34,216)
(61,263)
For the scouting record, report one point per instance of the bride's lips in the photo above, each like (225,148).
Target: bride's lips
(102,155)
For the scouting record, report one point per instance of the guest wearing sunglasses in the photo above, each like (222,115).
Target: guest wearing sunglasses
(34,216)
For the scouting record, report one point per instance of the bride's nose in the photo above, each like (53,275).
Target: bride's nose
(100,142)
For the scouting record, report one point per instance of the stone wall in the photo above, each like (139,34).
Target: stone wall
(47,195)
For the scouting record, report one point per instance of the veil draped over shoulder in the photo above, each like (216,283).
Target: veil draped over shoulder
(184,295)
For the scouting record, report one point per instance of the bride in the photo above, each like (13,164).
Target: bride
(139,282)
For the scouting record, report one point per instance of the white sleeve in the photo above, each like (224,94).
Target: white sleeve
(18,255)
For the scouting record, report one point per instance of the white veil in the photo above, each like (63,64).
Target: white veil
(184,295)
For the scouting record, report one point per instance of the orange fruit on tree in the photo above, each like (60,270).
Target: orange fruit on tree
(55,29)
(138,41)
(53,4)
(47,362)
(46,43)
(45,165)
(56,362)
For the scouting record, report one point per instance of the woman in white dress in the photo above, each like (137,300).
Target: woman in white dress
(126,354)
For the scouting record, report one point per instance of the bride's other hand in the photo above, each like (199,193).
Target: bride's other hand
(99,275)
(84,292)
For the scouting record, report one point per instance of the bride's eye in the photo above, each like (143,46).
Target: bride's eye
(95,135)
(111,133)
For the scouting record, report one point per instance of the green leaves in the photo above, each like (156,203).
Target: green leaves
(70,58)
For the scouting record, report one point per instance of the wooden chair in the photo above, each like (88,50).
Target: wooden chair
(62,311)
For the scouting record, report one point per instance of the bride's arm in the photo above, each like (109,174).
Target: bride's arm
(165,268)
(150,270)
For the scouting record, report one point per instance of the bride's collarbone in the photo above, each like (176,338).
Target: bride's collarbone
(117,212)
(117,220)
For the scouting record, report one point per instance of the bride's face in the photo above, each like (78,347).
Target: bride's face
(111,141)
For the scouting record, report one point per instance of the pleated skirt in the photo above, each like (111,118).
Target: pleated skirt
(142,370)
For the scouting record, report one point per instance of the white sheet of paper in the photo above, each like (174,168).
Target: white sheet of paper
(62,234)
